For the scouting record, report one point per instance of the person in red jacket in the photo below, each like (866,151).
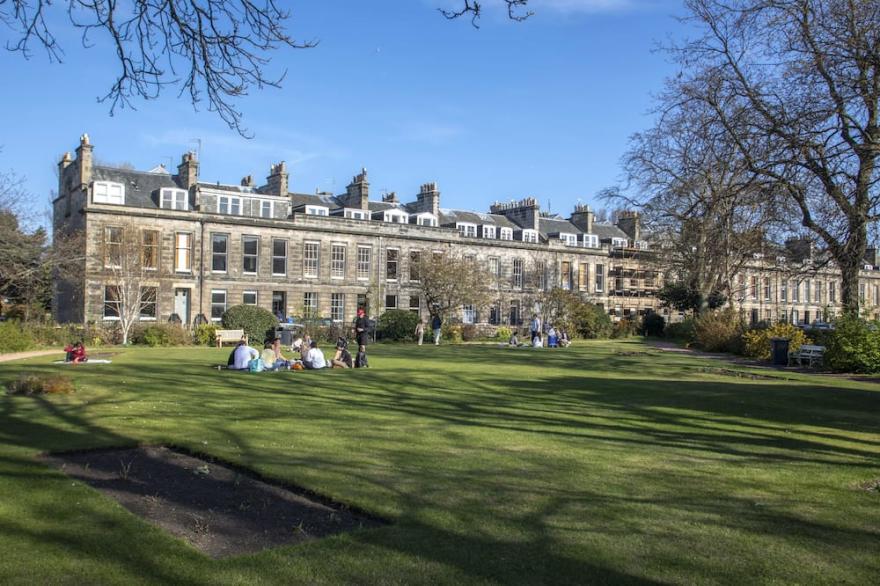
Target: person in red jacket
(76,353)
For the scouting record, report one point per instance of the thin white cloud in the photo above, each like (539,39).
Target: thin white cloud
(584,6)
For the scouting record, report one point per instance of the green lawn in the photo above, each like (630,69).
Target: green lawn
(585,465)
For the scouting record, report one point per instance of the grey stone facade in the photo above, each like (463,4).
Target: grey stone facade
(269,219)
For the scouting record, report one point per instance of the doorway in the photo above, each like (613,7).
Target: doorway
(181,304)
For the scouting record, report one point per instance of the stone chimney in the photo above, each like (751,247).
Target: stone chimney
(390,197)
(248,181)
(524,213)
(428,199)
(357,194)
(583,217)
(188,170)
(276,182)
(799,249)
(84,160)
(631,224)
(872,255)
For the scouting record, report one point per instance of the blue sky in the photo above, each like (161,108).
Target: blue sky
(542,108)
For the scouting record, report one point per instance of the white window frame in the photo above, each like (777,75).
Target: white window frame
(108,192)
(426,219)
(154,303)
(354,214)
(618,242)
(213,303)
(256,255)
(225,253)
(466,229)
(317,211)
(505,233)
(108,302)
(173,199)
(229,205)
(178,266)
(599,278)
(590,241)
(468,314)
(529,235)
(395,217)
(263,208)
(311,263)
(247,292)
(337,307)
(396,276)
(396,301)
(275,256)
(568,239)
(364,275)
(488,232)
(337,265)
(517,274)
(310,309)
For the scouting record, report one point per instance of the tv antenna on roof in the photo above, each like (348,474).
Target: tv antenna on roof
(199,150)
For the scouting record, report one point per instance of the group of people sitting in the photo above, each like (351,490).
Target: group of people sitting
(556,338)
(311,357)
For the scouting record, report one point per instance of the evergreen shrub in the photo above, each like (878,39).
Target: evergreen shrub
(397,325)
(853,346)
(14,338)
(256,322)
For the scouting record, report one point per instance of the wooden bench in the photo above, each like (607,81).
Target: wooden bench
(809,355)
(228,336)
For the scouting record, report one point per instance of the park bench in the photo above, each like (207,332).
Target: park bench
(228,336)
(809,355)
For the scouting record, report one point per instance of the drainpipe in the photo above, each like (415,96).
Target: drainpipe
(201,264)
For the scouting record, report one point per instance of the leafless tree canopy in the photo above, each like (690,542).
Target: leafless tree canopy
(214,50)
(796,86)
(516,10)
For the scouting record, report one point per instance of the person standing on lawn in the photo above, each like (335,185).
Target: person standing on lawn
(436,325)
(361,327)
(535,328)
(420,331)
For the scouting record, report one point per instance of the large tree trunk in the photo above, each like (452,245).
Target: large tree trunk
(849,260)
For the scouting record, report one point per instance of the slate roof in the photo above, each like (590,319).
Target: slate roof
(450,217)
(555,226)
(141,187)
(298,200)
(240,189)
(606,232)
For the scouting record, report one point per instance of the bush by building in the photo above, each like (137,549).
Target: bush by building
(14,337)
(853,346)
(158,334)
(256,322)
(719,331)
(756,342)
(625,328)
(503,333)
(205,334)
(397,325)
(653,325)
(41,384)
(591,322)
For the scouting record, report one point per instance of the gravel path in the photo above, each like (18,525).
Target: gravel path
(31,354)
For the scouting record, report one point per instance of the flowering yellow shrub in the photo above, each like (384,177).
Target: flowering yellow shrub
(756,343)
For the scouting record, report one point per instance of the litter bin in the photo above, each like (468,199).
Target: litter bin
(779,351)
(286,336)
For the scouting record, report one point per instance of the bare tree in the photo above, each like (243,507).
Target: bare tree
(130,272)
(214,50)
(450,281)
(707,208)
(795,85)
(516,10)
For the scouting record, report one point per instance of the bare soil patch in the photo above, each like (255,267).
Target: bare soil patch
(220,509)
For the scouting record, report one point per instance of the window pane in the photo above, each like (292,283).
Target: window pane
(182,252)
(279,257)
(250,247)
(219,243)
(149,299)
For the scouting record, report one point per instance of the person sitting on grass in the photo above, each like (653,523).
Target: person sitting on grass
(552,338)
(280,360)
(343,356)
(314,358)
(242,355)
(514,340)
(76,353)
(564,340)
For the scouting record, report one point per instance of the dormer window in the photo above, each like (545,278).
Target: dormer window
(317,211)
(426,219)
(569,239)
(506,234)
(355,214)
(466,229)
(641,244)
(267,209)
(173,199)
(230,205)
(396,217)
(108,192)
(488,231)
(618,242)
(590,241)
(529,235)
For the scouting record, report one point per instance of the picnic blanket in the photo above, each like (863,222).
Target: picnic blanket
(90,361)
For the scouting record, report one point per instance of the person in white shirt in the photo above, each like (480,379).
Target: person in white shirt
(314,358)
(242,355)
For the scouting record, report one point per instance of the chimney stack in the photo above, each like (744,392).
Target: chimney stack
(188,170)
(277,179)
(390,197)
(524,213)
(84,159)
(357,194)
(583,217)
(247,181)
(429,199)
(630,223)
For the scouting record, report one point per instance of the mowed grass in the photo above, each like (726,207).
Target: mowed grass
(605,462)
